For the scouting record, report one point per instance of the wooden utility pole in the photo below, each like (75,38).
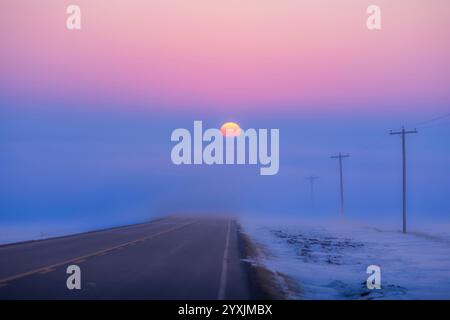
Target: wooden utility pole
(403,133)
(311,180)
(340,156)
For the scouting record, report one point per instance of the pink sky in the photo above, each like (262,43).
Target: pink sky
(228,54)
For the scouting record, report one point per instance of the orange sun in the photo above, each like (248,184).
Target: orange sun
(230,129)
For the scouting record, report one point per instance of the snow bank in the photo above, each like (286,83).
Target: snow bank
(330,261)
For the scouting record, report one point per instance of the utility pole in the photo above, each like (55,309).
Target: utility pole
(403,133)
(311,181)
(340,156)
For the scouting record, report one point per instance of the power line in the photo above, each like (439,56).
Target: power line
(420,124)
(403,133)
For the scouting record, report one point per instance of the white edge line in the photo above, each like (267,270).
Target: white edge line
(223,274)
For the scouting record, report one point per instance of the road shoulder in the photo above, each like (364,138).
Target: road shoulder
(264,284)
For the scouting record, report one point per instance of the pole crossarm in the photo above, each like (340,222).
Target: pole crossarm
(404,131)
(340,156)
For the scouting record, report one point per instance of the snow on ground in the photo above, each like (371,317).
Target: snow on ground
(330,262)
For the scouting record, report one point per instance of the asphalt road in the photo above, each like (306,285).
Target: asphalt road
(172,258)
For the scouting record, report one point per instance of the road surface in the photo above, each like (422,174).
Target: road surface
(171,258)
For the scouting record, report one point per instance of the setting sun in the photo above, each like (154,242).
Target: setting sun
(230,129)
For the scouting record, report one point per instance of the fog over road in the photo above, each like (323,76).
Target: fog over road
(170,258)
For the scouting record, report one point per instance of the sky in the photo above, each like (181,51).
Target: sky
(86,115)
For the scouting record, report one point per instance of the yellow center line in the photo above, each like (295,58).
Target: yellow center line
(46,271)
(79,261)
(86,256)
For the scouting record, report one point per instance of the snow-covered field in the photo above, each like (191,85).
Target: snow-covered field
(330,262)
